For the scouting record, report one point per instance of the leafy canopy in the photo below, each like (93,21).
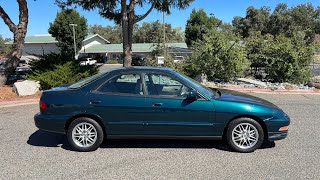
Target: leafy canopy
(285,59)
(219,55)
(282,20)
(111,9)
(63,32)
(198,24)
(147,32)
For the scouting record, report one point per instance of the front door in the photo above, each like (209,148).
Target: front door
(168,112)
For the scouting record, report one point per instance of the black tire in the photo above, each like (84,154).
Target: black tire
(244,121)
(99,134)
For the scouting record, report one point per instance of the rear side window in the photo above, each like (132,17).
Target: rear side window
(86,81)
(123,84)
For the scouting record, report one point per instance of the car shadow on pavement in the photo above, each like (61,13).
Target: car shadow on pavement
(49,139)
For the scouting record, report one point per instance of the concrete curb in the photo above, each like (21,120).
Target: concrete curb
(269,91)
(14,103)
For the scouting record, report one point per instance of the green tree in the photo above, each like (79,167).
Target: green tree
(255,20)
(286,59)
(124,12)
(219,55)
(257,45)
(63,32)
(152,32)
(110,33)
(19,33)
(282,20)
(289,58)
(198,24)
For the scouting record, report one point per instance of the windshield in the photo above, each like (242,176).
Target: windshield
(208,91)
(86,81)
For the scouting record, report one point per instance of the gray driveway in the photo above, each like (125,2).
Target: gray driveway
(28,153)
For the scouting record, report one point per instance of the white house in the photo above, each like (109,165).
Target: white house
(45,44)
(94,46)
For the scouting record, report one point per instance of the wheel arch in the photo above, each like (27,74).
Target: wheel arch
(91,116)
(259,120)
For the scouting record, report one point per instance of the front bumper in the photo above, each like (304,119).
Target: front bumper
(274,125)
(50,123)
(274,136)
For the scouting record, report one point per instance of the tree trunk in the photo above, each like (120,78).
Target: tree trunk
(125,35)
(19,33)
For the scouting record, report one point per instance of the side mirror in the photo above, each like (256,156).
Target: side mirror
(192,95)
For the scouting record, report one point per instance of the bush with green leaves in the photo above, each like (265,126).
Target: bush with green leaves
(112,61)
(219,55)
(286,59)
(290,59)
(48,61)
(63,74)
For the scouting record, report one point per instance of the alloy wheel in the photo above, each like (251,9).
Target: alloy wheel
(84,134)
(245,135)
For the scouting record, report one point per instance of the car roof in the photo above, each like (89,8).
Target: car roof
(142,69)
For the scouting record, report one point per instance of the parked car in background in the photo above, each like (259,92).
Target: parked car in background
(178,59)
(19,74)
(23,63)
(150,102)
(88,61)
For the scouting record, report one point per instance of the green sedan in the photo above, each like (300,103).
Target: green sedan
(150,102)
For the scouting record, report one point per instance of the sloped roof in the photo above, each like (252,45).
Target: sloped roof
(47,38)
(137,47)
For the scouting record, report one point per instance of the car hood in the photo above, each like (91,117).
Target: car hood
(235,96)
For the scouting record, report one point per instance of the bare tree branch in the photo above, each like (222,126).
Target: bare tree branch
(139,18)
(7,20)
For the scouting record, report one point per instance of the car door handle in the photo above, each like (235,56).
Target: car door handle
(157,104)
(95,102)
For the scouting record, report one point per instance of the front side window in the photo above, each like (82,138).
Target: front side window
(165,86)
(123,84)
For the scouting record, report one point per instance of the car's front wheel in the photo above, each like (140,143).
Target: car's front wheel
(244,135)
(85,134)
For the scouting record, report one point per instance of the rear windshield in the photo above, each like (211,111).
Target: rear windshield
(86,81)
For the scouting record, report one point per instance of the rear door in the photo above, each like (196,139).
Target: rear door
(120,102)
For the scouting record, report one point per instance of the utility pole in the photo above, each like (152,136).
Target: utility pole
(74,39)
(164,35)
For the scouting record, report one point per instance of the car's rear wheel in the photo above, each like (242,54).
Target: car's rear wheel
(244,135)
(85,134)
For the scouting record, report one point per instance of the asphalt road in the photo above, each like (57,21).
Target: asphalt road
(28,153)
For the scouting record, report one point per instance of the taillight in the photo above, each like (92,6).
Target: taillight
(43,105)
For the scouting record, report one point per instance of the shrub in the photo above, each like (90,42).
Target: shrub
(64,74)
(112,61)
(48,62)
(286,59)
(289,59)
(219,55)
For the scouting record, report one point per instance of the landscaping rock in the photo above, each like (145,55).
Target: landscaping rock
(26,88)
(202,78)
(253,82)
(315,82)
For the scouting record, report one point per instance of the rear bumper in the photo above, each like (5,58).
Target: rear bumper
(50,123)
